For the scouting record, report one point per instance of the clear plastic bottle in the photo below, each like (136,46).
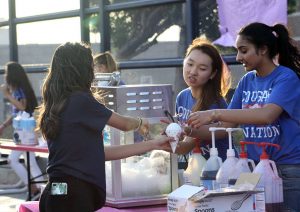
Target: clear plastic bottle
(187,174)
(197,163)
(269,181)
(225,170)
(211,168)
(106,135)
(243,165)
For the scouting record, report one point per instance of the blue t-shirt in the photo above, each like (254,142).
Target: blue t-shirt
(18,94)
(184,105)
(281,87)
(78,150)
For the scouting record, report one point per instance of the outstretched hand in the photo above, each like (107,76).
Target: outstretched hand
(200,118)
(162,142)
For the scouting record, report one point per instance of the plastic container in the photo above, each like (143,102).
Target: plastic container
(243,165)
(269,181)
(24,126)
(196,163)
(213,164)
(227,167)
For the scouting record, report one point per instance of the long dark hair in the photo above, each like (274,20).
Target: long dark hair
(16,77)
(215,89)
(277,40)
(71,70)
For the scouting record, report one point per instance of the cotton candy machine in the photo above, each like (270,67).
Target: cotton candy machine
(145,179)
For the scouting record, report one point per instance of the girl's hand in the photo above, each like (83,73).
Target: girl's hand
(200,118)
(144,128)
(162,142)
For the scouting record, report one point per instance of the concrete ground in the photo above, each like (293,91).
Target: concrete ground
(9,202)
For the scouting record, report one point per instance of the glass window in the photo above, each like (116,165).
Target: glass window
(93,21)
(208,24)
(3,10)
(4,46)
(37,7)
(38,46)
(294,18)
(93,3)
(147,33)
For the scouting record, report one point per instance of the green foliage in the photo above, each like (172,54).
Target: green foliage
(293,6)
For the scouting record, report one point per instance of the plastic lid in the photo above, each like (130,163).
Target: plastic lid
(197,147)
(213,152)
(264,154)
(230,153)
(243,153)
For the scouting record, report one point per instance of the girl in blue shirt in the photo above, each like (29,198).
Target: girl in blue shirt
(18,91)
(267,101)
(207,79)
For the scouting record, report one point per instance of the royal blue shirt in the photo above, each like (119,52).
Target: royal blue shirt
(18,94)
(184,104)
(281,87)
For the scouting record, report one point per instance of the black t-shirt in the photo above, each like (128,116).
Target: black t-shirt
(78,149)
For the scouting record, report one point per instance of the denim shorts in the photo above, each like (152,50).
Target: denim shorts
(290,175)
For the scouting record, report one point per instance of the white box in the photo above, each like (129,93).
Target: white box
(194,199)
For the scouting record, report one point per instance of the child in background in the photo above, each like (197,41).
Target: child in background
(208,80)
(19,93)
(105,63)
(72,119)
(266,102)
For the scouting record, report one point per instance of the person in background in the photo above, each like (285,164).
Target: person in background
(266,102)
(208,79)
(18,91)
(105,63)
(72,119)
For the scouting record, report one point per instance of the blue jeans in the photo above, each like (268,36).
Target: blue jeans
(290,175)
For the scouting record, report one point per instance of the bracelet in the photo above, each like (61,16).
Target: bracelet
(190,133)
(139,125)
(215,115)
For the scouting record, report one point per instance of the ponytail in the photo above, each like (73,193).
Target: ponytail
(288,50)
(277,40)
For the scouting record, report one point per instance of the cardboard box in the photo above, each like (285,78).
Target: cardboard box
(195,199)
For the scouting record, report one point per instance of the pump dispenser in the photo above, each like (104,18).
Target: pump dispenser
(197,163)
(243,165)
(269,181)
(209,172)
(225,170)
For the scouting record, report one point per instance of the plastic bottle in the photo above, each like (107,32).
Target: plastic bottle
(187,174)
(24,126)
(225,170)
(17,128)
(269,181)
(106,135)
(211,168)
(197,163)
(242,165)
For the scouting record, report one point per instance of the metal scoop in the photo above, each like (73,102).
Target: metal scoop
(237,204)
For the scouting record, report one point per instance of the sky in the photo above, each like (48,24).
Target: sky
(56,31)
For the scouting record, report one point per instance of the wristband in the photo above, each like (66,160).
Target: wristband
(139,125)
(190,133)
